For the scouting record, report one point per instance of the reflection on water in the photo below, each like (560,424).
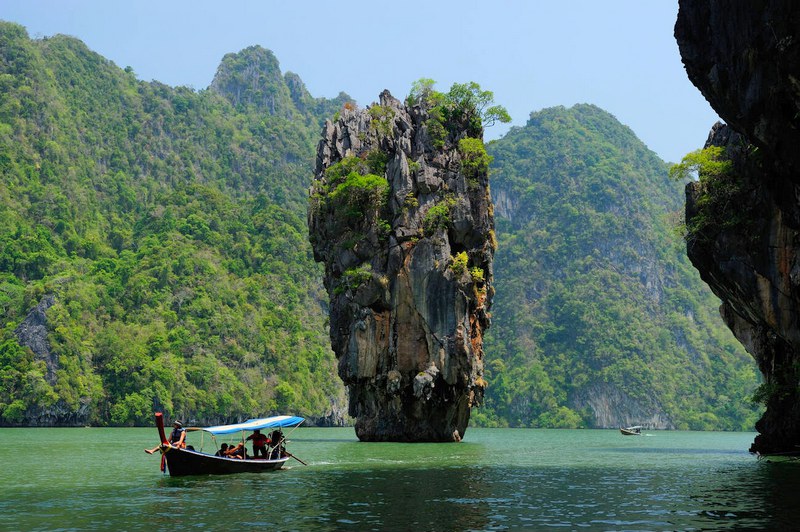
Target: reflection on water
(763,496)
(414,499)
(505,479)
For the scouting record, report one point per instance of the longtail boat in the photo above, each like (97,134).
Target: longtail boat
(188,461)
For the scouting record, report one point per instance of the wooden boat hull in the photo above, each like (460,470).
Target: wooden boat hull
(184,462)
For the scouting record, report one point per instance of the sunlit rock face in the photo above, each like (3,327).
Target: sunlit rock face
(745,228)
(405,230)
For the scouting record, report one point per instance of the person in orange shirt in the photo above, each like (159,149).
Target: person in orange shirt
(260,442)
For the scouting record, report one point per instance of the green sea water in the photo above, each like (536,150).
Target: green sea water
(496,479)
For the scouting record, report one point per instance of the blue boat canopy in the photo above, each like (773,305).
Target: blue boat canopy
(254,424)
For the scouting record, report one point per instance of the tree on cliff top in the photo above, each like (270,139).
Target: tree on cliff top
(464,102)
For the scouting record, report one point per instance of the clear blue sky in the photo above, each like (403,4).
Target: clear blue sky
(619,55)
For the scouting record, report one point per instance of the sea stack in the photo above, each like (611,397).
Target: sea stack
(401,217)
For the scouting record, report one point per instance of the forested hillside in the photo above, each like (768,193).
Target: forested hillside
(161,233)
(169,227)
(599,319)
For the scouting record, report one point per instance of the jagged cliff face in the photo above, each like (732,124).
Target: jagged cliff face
(745,59)
(403,223)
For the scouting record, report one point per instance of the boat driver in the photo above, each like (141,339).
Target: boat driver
(260,442)
(177,438)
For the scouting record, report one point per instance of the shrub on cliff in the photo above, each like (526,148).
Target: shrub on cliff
(359,194)
(466,107)
(353,190)
(720,193)
(706,163)
(438,216)
(474,159)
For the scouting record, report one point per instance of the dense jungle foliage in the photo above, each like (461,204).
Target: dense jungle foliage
(597,306)
(169,227)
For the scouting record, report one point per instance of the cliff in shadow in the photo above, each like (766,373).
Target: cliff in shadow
(401,217)
(745,222)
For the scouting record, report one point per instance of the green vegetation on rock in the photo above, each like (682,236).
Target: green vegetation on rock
(721,194)
(464,107)
(598,314)
(438,216)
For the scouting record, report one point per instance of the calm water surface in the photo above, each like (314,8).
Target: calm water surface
(496,479)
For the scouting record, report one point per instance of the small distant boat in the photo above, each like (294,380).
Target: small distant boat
(187,461)
(631,431)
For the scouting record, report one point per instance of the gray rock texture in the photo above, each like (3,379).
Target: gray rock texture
(32,333)
(406,237)
(745,227)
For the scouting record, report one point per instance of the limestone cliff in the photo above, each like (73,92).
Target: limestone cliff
(32,333)
(745,225)
(400,215)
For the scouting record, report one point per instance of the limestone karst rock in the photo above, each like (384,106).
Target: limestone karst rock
(401,217)
(745,225)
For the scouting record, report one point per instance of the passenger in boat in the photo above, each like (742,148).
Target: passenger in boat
(222,450)
(260,442)
(276,439)
(177,438)
(236,452)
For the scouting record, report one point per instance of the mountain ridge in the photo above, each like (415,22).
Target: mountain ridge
(169,226)
(598,313)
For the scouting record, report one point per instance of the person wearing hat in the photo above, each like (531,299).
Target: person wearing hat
(177,438)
